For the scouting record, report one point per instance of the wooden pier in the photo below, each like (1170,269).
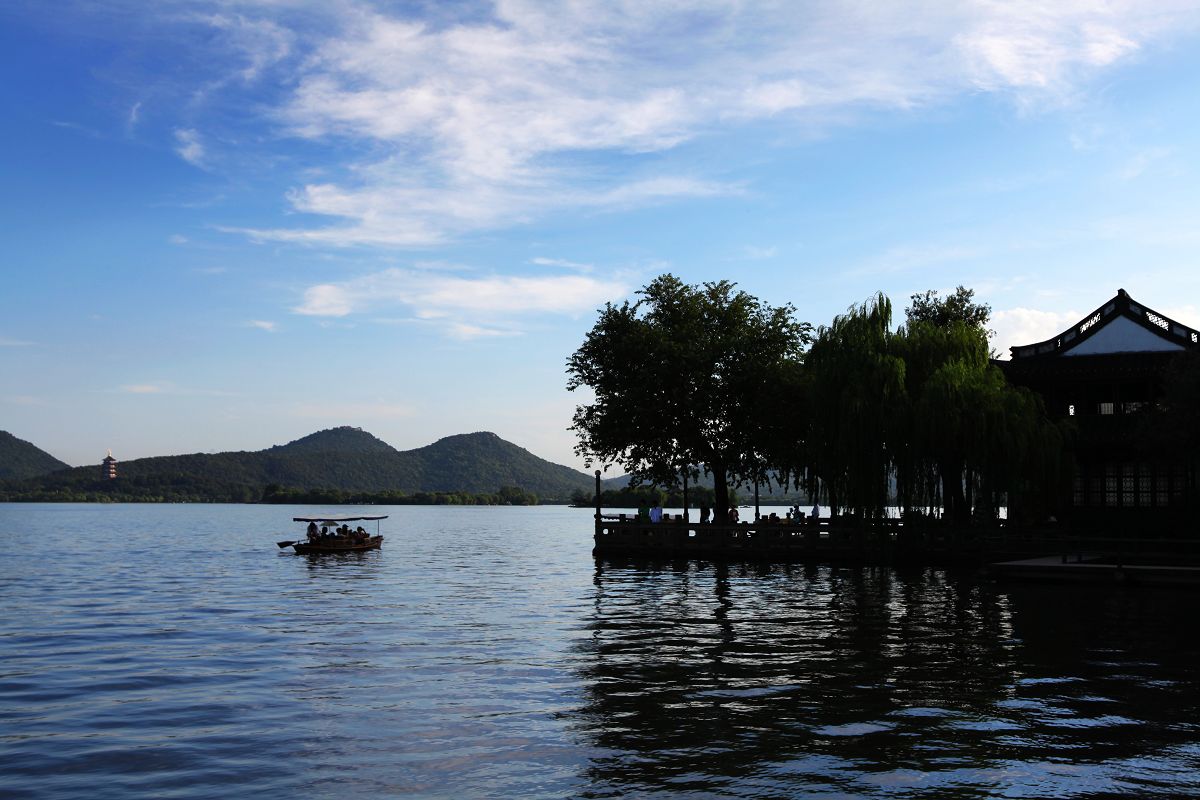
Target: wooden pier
(1008,552)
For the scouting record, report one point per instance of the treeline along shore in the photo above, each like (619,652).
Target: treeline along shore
(867,416)
(336,466)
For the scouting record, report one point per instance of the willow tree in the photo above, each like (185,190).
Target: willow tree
(965,437)
(684,376)
(854,382)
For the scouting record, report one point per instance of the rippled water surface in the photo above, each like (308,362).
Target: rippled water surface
(174,651)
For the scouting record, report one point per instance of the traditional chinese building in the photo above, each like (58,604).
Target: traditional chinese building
(1106,373)
(110,466)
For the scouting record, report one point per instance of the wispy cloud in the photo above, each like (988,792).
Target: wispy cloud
(7,342)
(169,388)
(494,119)
(468,307)
(189,147)
(143,388)
(562,263)
(1137,165)
(263,325)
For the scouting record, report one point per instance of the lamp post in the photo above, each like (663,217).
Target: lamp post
(597,497)
(686,515)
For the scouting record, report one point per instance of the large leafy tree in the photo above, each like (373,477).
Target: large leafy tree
(960,306)
(685,375)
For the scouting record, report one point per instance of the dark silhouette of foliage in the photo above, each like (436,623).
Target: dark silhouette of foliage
(941,312)
(678,378)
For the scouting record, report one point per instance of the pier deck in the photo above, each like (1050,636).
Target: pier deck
(1008,552)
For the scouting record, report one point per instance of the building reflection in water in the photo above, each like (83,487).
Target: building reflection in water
(778,680)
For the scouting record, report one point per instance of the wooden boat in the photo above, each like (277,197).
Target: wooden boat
(320,540)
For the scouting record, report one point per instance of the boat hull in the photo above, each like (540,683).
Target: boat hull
(311,548)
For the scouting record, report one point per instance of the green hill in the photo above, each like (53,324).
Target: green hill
(348,460)
(20,459)
(479,462)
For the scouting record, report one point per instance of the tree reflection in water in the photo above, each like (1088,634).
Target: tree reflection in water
(757,680)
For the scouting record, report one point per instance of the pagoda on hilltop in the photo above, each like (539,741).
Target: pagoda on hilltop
(1107,373)
(110,466)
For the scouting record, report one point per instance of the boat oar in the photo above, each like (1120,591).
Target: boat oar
(285,544)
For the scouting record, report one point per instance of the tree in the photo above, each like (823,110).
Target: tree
(679,378)
(854,384)
(959,307)
(965,437)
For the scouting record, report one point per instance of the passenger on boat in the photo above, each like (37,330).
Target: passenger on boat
(312,531)
(325,532)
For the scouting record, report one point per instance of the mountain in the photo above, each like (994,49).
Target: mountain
(20,459)
(479,462)
(345,459)
(336,440)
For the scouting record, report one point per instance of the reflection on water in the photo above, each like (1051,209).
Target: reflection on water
(794,681)
(176,652)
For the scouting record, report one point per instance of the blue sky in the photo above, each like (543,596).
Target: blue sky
(227,225)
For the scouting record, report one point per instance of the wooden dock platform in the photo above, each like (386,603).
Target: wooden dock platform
(1030,554)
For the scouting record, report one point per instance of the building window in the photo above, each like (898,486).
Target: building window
(1106,409)
(1145,488)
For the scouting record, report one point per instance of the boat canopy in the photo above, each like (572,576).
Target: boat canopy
(336,519)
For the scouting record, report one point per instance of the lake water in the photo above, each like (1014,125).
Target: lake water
(174,651)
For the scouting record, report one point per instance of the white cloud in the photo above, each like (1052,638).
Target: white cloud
(465,307)
(1020,326)
(168,388)
(1186,314)
(562,263)
(494,119)
(189,147)
(7,342)
(177,238)
(261,43)
(263,325)
(467,332)
(144,388)
(327,300)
